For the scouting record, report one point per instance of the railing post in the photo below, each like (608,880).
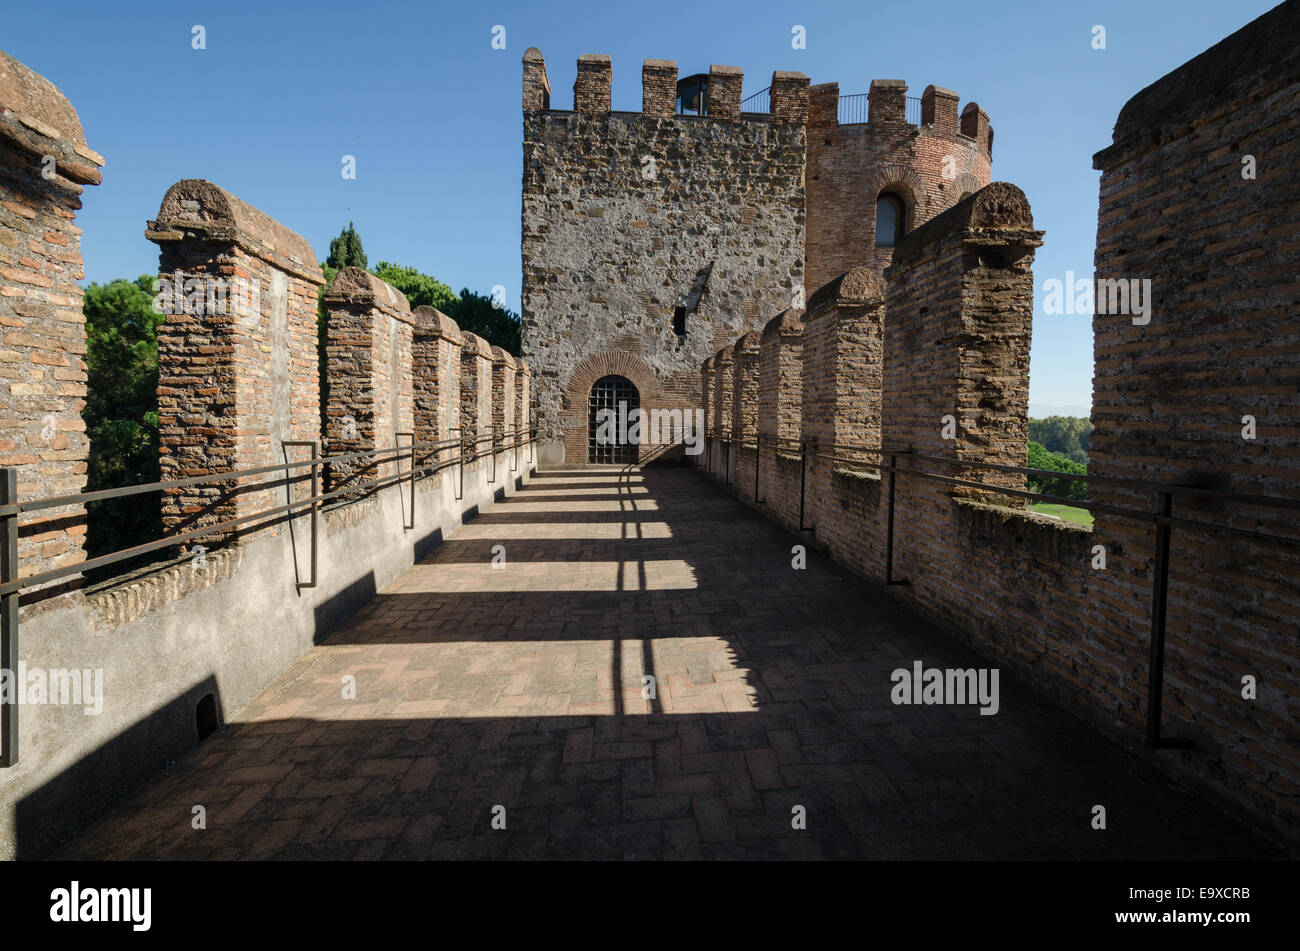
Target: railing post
(397,461)
(9,620)
(758,458)
(492,451)
(803,482)
(315,506)
(1159,604)
(889,531)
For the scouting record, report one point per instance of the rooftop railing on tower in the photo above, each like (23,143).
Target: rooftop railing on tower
(854,109)
(760,102)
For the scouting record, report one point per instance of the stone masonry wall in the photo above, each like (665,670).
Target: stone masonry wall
(237,353)
(44,164)
(621,214)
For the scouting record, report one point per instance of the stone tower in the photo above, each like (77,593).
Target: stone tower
(651,239)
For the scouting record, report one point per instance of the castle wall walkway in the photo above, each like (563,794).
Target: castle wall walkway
(522,686)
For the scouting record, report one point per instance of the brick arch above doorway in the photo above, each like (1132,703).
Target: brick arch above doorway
(587,372)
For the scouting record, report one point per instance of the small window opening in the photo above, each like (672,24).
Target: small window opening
(889,220)
(679,321)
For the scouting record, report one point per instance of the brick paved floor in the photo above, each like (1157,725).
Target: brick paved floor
(521,686)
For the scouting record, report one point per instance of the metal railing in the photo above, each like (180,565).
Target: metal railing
(1160,514)
(855,109)
(423,461)
(761,101)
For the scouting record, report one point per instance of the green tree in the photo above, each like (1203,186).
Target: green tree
(1042,458)
(476,313)
(1065,435)
(420,289)
(121,413)
(345,250)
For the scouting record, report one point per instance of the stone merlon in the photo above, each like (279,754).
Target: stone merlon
(194,206)
(39,120)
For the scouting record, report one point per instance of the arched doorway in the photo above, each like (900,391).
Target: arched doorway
(609,412)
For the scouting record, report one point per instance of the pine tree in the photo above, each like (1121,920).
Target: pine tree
(345,250)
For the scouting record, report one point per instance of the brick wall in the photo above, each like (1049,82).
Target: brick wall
(928,166)
(475,393)
(523,398)
(1170,393)
(44,164)
(237,356)
(780,412)
(1222,342)
(841,380)
(744,410)
(503,395)
(369,363)
(435,357)
(724,380)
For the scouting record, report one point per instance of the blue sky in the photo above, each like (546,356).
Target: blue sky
(431,111)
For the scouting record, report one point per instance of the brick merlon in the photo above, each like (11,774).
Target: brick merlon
(358,287)
(786,323)
(856,286)
(749,343)
(472,341)
(38,119)
(431,321)
(503,358)
(194,207)
(999,207)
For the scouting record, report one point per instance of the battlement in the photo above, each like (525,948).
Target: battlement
(887,108)
(788,98)
(721,99)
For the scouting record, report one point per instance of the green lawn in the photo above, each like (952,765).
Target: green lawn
(1068,512)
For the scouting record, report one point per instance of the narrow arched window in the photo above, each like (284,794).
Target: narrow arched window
(889,220)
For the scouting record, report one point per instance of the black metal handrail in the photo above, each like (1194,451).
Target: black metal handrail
(10,510)
(12,583)
(855,109)
(761,101)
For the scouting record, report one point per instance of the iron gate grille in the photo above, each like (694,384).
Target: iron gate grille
(619,396)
